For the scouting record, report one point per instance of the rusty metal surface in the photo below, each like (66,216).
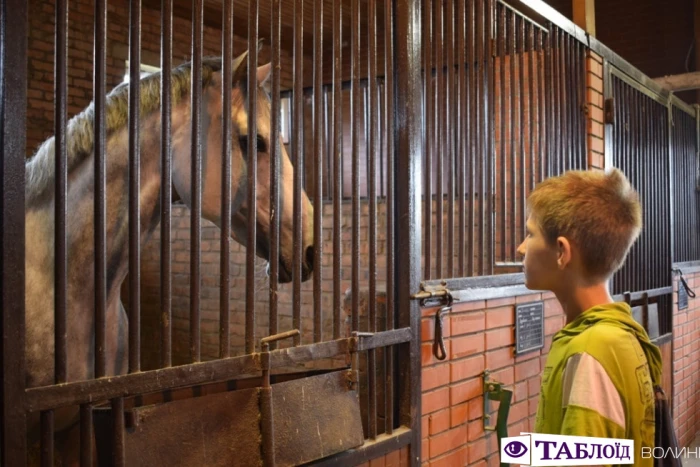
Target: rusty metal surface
(315,417)
(215,430)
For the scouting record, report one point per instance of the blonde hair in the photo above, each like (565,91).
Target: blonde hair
(598,212)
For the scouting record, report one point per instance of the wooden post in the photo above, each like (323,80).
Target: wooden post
(584,15)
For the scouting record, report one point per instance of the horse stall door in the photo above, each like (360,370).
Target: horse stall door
(214,203)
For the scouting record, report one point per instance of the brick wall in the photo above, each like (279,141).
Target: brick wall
(686,363)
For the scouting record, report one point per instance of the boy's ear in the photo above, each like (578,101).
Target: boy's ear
(563,252)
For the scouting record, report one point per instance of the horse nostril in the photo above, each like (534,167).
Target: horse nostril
(310,258)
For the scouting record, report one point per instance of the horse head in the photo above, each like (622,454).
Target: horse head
(212,140)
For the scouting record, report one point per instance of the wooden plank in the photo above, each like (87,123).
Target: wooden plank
(584,15)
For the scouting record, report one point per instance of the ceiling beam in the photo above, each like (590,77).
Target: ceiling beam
(682,82)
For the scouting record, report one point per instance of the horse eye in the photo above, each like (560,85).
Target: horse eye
(243,143)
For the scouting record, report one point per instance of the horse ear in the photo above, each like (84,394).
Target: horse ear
(264,73)
(239,67)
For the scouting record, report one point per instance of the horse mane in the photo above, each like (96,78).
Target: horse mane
(40,169)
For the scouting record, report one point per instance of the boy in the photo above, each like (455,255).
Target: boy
(601,366)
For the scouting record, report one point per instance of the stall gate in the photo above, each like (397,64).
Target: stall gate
(267,405)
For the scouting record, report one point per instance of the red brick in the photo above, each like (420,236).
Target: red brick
(427,356)
(499,317)
(439,421)
(393,459)
(454,458)
(528,298)
(425,450)
(435,400)
(464,323)
(476,408)
(552,325)
(499,338)
(596,145)
(499,358)
(435,376)
(533,386)
(467,345)
(469,306)
(527,369)
(477,450)
(465,391)
(518,411)
(466,368)
(447,441)
(459,414)
(499,302)
(533,405)
(378,462)
(425,426)
(475,430)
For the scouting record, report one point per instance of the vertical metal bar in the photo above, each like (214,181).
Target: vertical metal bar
(13,106)
(390,213)
(521,129)
(61,164)
(134,185)
(532,109)
(461,139)
(118,452)
(429,134)
(549,86)
(337,110)
(166,55)
(252,152)
(502,38)
(226,147)
(196,176)
(514,154)
(86,431)
(562,111)
(372,194)
(440,104)
(581,89)
(355,107)
(100,207)
(47,426)
(541,103)
(473,137)
(569,102)
(407,66)
(450,123)
(489,130)
(318,169)
(669,207)
(275,162)
(298,152)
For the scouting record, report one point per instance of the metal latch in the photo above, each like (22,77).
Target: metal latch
(494,391)
(433,295)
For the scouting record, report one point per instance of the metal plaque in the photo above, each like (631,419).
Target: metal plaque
(529,327)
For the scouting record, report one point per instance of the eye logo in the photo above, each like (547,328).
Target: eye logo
(515,449)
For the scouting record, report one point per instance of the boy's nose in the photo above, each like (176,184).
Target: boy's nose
(521,248)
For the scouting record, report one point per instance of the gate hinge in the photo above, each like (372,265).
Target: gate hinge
(433,295)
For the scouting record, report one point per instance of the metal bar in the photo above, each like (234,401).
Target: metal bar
(473,139)
(502,38)
(226,146)
(355,107)
(549,85)
(429,131)
(514,155)
(532,109)
(118,452)
(252,151)
(561,108)
(581,88)
(461,139)
(166,41)
(298,152)
(482,54)
(569,102)
(275,162)
(408,228)
(61,187)
(99,92)
(196,175)
(521,127)
(390,214)
(86,434)
(490,91)
(47,427)
(450,123)
(318,169)
(134,186)
(13,107)
(541,103)
(337,110)
(440,104)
